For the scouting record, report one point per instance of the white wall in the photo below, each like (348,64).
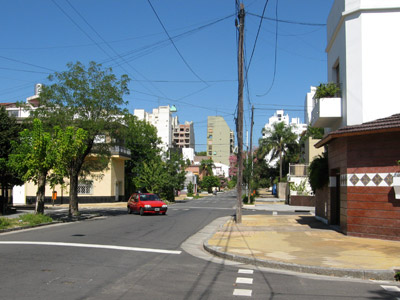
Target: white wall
(362,37)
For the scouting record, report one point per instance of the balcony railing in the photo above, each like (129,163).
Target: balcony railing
(298,170)
(120,151)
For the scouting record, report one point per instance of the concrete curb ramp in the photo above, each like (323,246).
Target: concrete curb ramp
(300,243)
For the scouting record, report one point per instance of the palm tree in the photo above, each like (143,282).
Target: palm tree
(206,166)
(277,141)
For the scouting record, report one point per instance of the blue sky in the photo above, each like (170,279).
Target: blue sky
(40,37)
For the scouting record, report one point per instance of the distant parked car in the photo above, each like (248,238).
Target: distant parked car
(143,203)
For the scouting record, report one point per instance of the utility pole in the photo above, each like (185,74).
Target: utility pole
(250,153)
(239,121)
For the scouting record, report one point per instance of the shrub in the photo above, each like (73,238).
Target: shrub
(4,223)
(319,172)
(35,219)
(190,188)
(327,90)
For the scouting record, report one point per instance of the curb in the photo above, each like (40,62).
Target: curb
(337,272)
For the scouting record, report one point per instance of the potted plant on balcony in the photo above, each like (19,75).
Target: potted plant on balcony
(327,90)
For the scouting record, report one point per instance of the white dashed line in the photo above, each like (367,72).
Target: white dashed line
(244,280)
(391,288)
(110,247)
(241,292)
(245,271)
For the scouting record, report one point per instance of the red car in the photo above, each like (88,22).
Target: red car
(146,203)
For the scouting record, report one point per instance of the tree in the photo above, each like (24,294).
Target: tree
(278,141)
(9,132)
(201,153)
(88,98)
(206,166)
(33,156)
(209,182)
(141,138)
(162,177)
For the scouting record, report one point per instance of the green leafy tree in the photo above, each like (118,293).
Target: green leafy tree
(9,132)
(209,182)
(175,167)
(206,166)
(141,138)
(89,98)
(201,153)
(33,156)
(190,188)
(278,141)
(152,176)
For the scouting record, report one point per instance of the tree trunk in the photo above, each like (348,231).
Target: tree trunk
(40,194)
(73,195)
(280,166)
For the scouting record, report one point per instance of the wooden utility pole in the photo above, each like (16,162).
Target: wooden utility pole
(239,121)
(250,153)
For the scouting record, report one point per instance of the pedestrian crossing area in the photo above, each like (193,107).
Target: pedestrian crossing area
(243,283)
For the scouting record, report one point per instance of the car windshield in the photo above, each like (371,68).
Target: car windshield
(149,197)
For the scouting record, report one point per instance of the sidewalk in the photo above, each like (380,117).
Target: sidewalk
(299,242)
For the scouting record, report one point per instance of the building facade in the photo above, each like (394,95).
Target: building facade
(183,136)
(162,119)
(220,140)
(363,59)
(278,117)
(362,138)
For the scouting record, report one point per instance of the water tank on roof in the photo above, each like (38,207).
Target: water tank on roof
(173,109)
(38,88)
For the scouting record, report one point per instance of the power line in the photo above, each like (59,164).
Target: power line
(26,63)
(166,32)
(287,21)
(276,52)
(258,32)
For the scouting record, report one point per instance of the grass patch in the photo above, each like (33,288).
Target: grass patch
(25,220)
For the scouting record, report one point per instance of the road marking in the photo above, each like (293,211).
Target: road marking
(245,271)
(111,247)
(241,292)
(391,288)
(275,213)
(244,280)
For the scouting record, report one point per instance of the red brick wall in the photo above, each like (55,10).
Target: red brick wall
(322,197)
(299,200)
(371,211)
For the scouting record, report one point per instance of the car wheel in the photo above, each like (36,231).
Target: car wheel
(129,210)
(163,213)
(141,211)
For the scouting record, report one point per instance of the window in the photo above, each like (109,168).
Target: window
(85,188)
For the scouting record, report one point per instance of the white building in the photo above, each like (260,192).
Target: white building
(309,105)
(162,119)
(363,58)
(279,116)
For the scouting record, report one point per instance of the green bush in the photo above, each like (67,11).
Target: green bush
(327,90)
(35,219)
(4,223)
(190,188)
(319,172)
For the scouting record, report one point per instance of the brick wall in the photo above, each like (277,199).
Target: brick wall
(299,200)
(370,210)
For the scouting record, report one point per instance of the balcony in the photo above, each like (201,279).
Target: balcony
(326,112)
(120,151)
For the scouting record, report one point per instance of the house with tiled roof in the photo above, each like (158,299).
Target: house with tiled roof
(361,197)
(362,124)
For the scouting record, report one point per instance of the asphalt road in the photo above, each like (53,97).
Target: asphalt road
(121,256)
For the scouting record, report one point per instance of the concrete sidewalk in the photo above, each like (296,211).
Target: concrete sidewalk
(303,244)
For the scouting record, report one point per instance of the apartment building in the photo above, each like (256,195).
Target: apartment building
(362,126)
(220,140)
(280,116)
(183,136)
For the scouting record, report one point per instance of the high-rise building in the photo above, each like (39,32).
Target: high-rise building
(162,119)
(279,116)
(183,136)
(220,139)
